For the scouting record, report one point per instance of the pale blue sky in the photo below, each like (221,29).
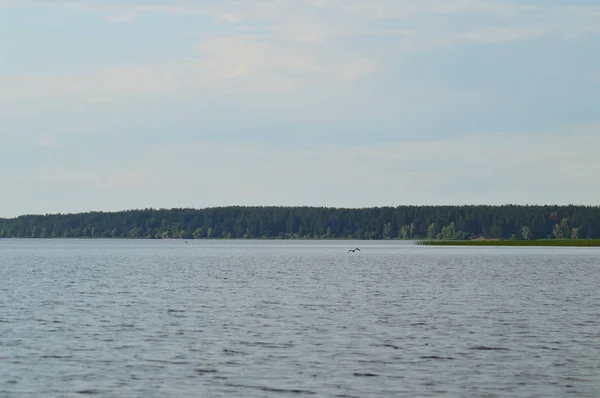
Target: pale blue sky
(108,105)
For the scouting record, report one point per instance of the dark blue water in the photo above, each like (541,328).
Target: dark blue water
(279,318)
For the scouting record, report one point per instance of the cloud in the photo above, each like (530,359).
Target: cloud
(10,3)
(47,141)
(320,20)
(279,46)
(107,83)
(122,17)
(223,65)
(498,34)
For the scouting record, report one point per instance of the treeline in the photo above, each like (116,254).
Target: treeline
(237,222)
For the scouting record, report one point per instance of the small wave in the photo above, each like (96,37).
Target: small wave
(161,361)
(435,357)
(380,362)
(266,344)
(273,389)
(365,374)
(486,348)
(234,352)
(205,371)
(395,347)
(88,392)
(577,379)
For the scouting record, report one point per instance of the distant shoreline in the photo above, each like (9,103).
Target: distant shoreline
(444,223)
(497,242)
(474,242)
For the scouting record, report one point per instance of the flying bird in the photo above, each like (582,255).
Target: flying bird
(353,250)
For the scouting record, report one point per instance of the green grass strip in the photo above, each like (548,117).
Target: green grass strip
(497,242)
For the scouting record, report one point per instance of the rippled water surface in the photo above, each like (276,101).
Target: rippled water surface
(133,318)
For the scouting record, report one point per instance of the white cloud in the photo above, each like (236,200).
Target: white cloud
(222,65)
(282,45)
(122,17)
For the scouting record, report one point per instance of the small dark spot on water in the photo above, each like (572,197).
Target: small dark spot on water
(387,346)
(126,347)
(486,348)
(167,362)
(380,362)
(577,379)
(435,357)
(88,392)
(365,374)
(205,371)
(272,389)
(234,352)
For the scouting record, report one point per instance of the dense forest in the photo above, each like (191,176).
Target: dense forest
(235,222)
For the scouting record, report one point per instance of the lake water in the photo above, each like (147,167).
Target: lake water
(127,318)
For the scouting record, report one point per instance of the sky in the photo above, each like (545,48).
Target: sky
(113,105)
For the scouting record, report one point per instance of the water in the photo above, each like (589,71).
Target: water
(279,318)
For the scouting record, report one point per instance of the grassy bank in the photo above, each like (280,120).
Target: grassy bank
(491,242)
